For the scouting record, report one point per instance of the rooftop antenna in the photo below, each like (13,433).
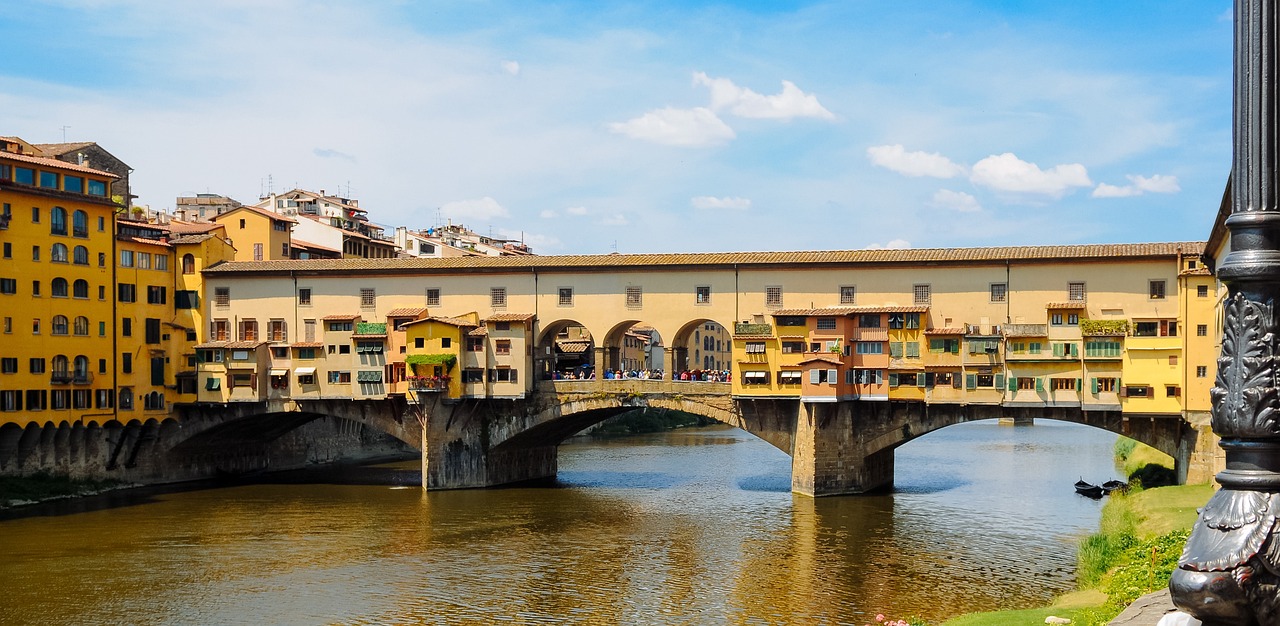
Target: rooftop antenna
(64,133)
(615,246)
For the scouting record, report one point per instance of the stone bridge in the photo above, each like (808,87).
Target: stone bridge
(836,448)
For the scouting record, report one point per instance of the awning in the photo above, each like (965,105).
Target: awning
(305,371)
(279,372)
(760,375)
(212,384)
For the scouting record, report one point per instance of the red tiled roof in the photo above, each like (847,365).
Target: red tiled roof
(55,164)
(452,321)
(244,345)
(307,344)
(340,318)
(573,347)
(509,317)
(407,312)
(822,359)
(298,243)
(642,262)
(852,310)
(946,331)
(479,331)
(1074,304)
(253,209)
(144,240)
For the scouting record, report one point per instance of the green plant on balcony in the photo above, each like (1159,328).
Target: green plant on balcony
(743,328)
(447,361)
(1104,327)
(371,328)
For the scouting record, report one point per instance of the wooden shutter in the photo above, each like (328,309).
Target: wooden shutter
(1000,381)
(1039,383)
(831,377)
(813,376)
(970,381)
(893,379)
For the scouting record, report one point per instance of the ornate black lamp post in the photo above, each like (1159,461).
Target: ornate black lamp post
(1230,570)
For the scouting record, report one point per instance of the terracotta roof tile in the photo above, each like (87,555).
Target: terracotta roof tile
(179,226)
(479,331)
(144,240)
(212,344)
(1199,271)
(340,318)
(851,310)
(1073,305)
(307,344)
(260,211)
(509,317)
(946,331)
(642,262)
(298,243)
(452,321)
(185,239)
(573,347)
(407,312)
(53,163)
(822,359)
(244,345)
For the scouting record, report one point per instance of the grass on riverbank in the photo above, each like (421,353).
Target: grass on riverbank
(1138,543)
(19,490)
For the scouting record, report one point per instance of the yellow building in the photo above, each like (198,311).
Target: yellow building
(258,234)
(56,290)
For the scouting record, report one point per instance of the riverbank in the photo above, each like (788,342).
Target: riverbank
(21,491)
(1140,538)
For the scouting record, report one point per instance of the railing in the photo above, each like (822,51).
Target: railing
(634,385)
(60,378)
(436,386)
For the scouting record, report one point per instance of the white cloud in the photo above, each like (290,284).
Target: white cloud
(576,210)
(895,244)
(742,102)
(616,219)
(1006,172)
(483,209)
(896,158)
(956,201)
(533,240)
(547,214)
(511,67)
(677,127)
(1138,185)
(712,202)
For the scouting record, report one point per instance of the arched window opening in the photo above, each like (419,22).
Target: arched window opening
(80,256)
(58,221)
(80,289)
(188,264)
(80,224)
(59,287)
(59,324)
(126,398)
(60,364)
(81,329)
(59,253)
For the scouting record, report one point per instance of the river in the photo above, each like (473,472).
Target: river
(695,526)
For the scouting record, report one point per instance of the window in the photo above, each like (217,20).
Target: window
(848,294)
(498,297)
(789,377)
(870,347)
(35,253)
(144,260)
(9,365)
(218,330)
(475,344)
(756,378)
(73,184)
(1062,384)
(999,292)
(502,346)
(102,292)
(126,362)
(162,262)
(792,347)
(446,342)
(869,320)
(1202,371)
(102,259)
(97,187)
(1202,330)
(1156,288)
(35,326)
(58,221)
(1075,292)
(822,376)
(80,327)
(277,331)
(186,299)
(58,253)
(922,294)
(156,294)
(8,250)
(1172,391)
(338,327)
(126,327)
(1173,359)
(80,256)
(566,296)
(127,292)
(1102,348)
(126,258)
(8,286)
(868,377)
(1137,391)
(635,297)
(339,377)
(222,296)
(911,349)
(248,330)
(1202,291)
(784,320)
(773,297)
(59,288)
(35,288)
(1056,319)
(308,330)
(1025,383)
(754,347)
(472,376)
(36,365)
(1073,319)
(702,294)
(826,323)
(25,176)
(188,264)
(152,329)
(503,375)
(257,250)
(49,180)
(433,296)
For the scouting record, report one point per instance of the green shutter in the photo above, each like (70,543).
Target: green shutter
(895,349)
(955,346)
(937,345)
(920,379)
(1057,349)
(1080,385)
(1000,381)
(1039,383)
(970,381)
(1013,384)
(1095,386)
(893,379)
(955,380)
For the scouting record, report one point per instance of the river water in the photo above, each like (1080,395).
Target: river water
(695,526)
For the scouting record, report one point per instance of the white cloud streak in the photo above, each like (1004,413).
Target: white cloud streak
(1137,186)
(697,127)
(790,103)
(712,202)
(1007,173)
(896,158)
(956,201)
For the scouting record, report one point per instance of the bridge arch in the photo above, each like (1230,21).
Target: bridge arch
(563,346)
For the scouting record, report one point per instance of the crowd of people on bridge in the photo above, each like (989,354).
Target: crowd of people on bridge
(713,376)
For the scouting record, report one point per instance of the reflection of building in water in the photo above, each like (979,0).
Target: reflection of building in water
(709,347)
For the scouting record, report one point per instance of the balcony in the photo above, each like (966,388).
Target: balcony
(742,328)
(75,378)
(429,385)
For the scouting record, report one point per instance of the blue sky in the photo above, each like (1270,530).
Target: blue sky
(657,126)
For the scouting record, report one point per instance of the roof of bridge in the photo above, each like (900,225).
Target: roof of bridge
(850,310)
(641,262)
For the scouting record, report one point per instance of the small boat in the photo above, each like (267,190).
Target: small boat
(1088,490)
(1115,485)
